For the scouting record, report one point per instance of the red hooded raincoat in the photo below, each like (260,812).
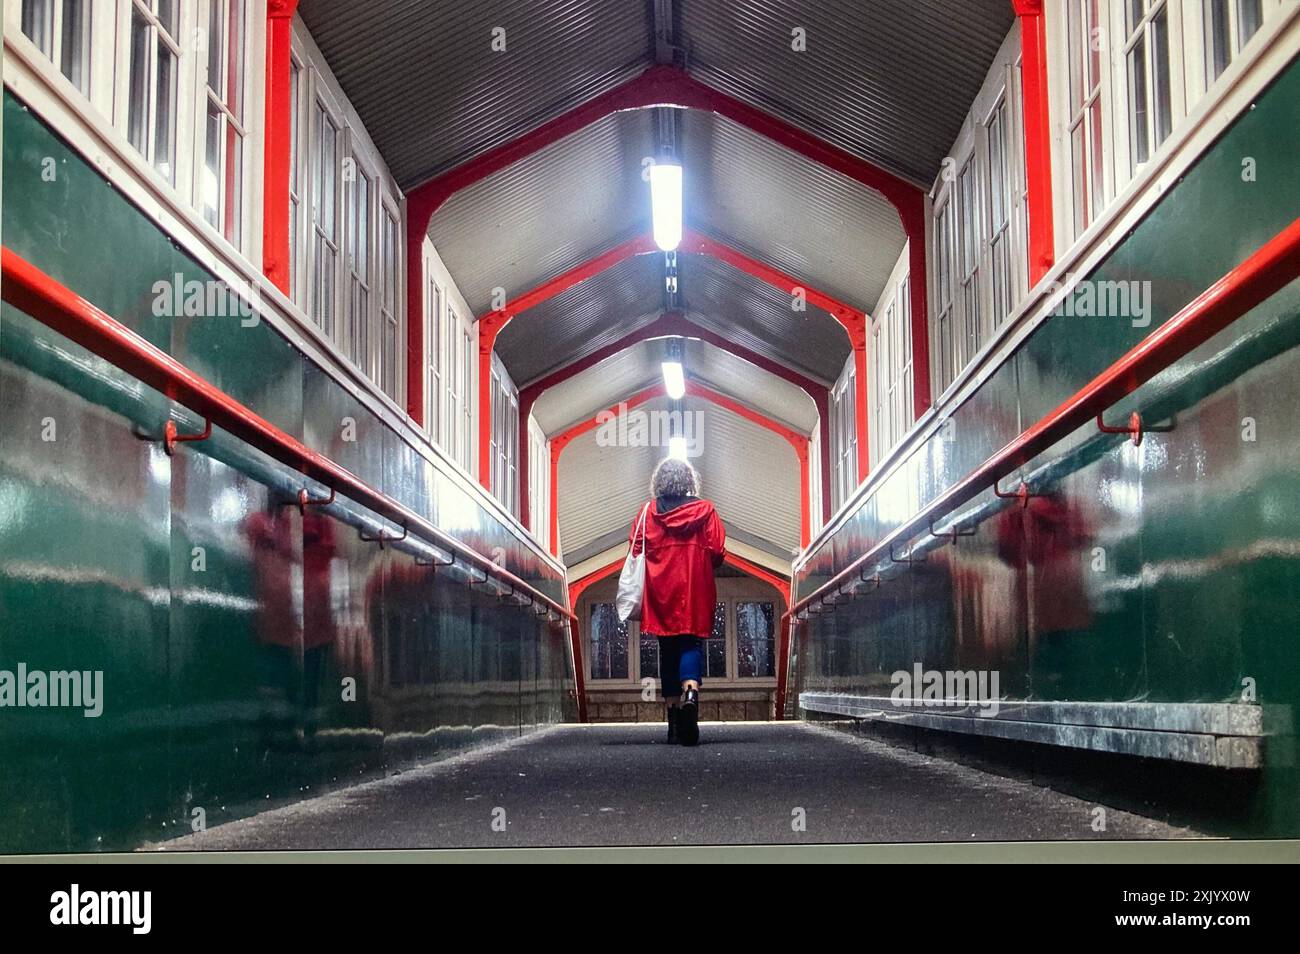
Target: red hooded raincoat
(682,548)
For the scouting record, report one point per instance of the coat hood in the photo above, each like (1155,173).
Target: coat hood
(685,518)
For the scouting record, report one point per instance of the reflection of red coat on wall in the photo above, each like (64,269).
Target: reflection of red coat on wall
(270,536)
(318,549)
(1050,535)
(683,544)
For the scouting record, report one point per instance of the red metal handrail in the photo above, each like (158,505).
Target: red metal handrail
(32,291)
(1264,273)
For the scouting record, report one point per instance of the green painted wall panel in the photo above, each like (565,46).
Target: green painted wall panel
(224,680)
(1168,572)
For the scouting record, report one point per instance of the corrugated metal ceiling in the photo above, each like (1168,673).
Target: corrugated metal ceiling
(887,80)
(817,225)
(751,475)
(584,318)
(585,194)
(758,316)
(615,379)
(548,213)
(777,398)
(433,92)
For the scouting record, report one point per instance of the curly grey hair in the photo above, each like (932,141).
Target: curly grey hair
(674,477)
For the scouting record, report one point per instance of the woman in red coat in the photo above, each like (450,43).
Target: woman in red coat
(684,541)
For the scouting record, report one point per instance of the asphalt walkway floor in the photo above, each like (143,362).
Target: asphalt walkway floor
(618,785)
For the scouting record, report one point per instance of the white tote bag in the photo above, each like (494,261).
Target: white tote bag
(631,582)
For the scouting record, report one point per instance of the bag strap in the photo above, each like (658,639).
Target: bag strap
(640,528)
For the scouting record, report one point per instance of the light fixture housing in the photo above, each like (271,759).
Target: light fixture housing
(666,203)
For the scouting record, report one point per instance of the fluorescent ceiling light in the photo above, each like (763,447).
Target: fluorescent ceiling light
(666,204)
(674,380)
(677,447)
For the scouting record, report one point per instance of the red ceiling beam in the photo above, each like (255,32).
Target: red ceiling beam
(673,324)
(1038,151)
(853,320)
(664,86)
(277,154)
(491,324)
(701,244)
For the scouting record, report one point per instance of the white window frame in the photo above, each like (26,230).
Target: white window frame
(1088,184)
(890,349)
(453,379)
(539,483)
(189,16)
(1142,33)
(504,448)
(633,647)
(356,338)
(970,187)
(54,50)
(731,591)
(390,367)
(465,434)
(1020,194)
(997,130)
(323,110)
(450,365)
(844,436)
(243,213)
(94,124)
(1189,80)
(299,211)
(943,249)
(360,344)
(965,250)
(1200,74)
(815,496)
(435,381)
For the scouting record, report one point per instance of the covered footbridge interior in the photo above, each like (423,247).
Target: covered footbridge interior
(339,344)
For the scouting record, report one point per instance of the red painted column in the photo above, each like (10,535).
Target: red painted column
(278,143)
(805,490)
(788,623)
(526,401)
(1038,150)
(489,326)
(912,213)
(419,210)
(855,323)
(579,676)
